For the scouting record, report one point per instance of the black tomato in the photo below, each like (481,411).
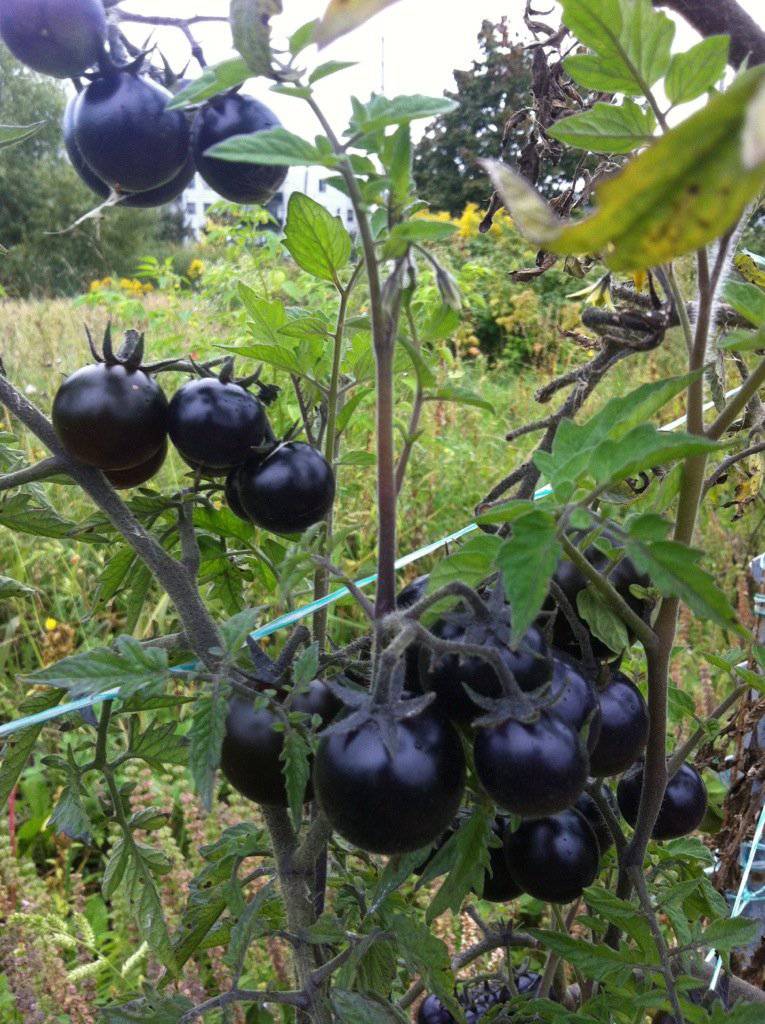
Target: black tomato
(433,1011)
(391,803)
(126,134)
(553,859)
(124,479)
(221,118)
(135,200)
(623,727)
(231,492)
(62,38)
(590,810)
(215,424)
(110,417)
(527,982)
(251,751)
(448,674)
(575,697)
(532,769)
(289,490)
(499,886)
(572,582)
(682,809)
(412,592)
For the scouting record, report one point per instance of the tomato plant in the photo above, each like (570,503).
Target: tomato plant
(459,748)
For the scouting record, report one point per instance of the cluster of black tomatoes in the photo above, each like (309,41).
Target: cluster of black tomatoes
(394,782)
(118,131)
(113,415)
(476,1000)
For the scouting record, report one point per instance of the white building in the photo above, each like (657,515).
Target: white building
(199,197)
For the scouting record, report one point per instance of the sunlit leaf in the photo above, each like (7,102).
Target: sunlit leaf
(213,80)
(698,69)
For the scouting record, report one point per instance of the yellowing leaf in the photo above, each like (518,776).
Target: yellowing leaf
(344,16)
(680,193)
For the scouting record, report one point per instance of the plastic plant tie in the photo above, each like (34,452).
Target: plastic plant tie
(741,899)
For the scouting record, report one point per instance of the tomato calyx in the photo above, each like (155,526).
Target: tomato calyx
(130,353)
(363,708)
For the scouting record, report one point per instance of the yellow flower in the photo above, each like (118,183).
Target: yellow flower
(196,269)
(469,220)
(126,284)
(50,624)
(147,287)
(95,286)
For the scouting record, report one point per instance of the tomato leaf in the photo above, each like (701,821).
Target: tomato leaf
(748,300)
(276,147)
(11,134)
(208,726)
(471,860)
(694,72)
(213,80)
(251,31)
(296,768)
(317,241)
(606,128)
(527,560)
(604,623)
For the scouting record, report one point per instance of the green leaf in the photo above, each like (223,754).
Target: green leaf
(152,925)
(115,572)
(330,68)
(381,112)
(460,395)
(683,191)
(421,230)
(296,768)
(24,513)
(470,845)
(604,623)
(246,929)
(13,588)
(208,727)
(624,914)
(729,933)
(213,80)
(632,41)
(674,569)
(606,128)
(251,32)
(697,70)
(130,669)
(306,667)
(425,376)
(425,955)
(115,868)
(398,163)
(643,448)
(748,300)
(236,629)
(317,241)
(594,960)
(154,1009)
(160,745)
(441,323)
(18,749)
(356,1008)
(471,563)
(342,16)
(69,816)
(276,147)
(303,37)
(527,560)
(267,317)
(397,870)
(11,134)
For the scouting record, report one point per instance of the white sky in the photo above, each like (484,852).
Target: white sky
(422,41)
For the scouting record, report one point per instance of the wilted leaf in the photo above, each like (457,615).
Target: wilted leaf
(343,16)
(251,31)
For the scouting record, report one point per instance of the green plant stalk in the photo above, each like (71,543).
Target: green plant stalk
(321,577)
(383,334)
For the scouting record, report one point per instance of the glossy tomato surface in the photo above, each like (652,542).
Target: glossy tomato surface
(126,135)
(62,38)
(682,809)
(134,200)
(553,859)
(448,674)
(386,802)
(231,492)
(574,697)
(219,119)
(215,424)
(532,769)
(124,479)
(289,490)
(110,417)
(251,752)
(623,727)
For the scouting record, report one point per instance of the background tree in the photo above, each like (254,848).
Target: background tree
(42,194)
